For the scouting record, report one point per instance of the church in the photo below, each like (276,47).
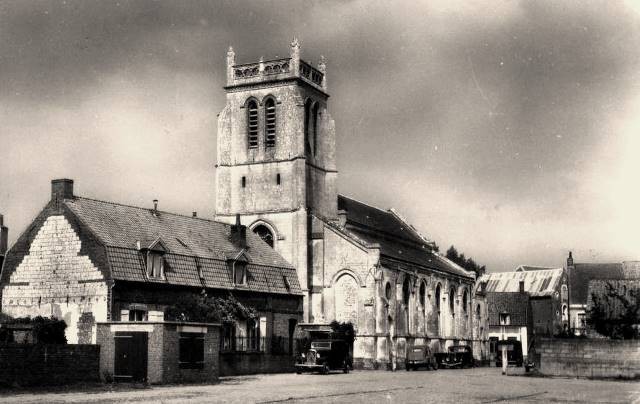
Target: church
(277,170)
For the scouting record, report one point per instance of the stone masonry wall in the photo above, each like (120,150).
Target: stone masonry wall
(592,358)
(36,365)
(55,279)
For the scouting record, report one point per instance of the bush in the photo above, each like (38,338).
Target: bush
(44,330)
(207,309)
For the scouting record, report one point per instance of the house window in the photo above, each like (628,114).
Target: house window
(505,319)
(155,265)
(564,312)
(438,298)
(423,294)
(387,291)
(191,348)
(239,273)
(228,340)
(253,335)
(264,233)
(252,124)
(270,123)
(308,142)
(478,311)
(137,315)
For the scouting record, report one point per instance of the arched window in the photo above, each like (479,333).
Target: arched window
(387,291)
(564,312)
(452,297)
(252,124)
(465,301)
(478,311)
(405,291)
(438,297)
(270,123)
(423,294)
(315,115)
(264,233)
(308,121)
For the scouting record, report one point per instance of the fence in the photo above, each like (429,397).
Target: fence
(275,345)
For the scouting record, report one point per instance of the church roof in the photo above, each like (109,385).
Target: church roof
(541,282)
(197,249)
(398,240)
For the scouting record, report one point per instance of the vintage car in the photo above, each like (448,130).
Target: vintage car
(324,356)
(420,356)
(514,353)
(457,356)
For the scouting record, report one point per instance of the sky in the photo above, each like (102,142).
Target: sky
(509,129)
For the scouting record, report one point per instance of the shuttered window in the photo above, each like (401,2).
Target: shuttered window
(191,350)
(270,123)
(252,124)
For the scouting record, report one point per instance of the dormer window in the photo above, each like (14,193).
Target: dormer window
(505,319)
(155,264)
(239,272)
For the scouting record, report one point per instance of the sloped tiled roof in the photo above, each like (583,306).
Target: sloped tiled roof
(197,248)
(397,239)
(581,274)
(531,268)
(541,282)
(515,304)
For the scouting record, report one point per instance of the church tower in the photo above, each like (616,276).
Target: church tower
(276,154)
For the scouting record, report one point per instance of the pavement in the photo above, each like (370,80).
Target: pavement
(478,385)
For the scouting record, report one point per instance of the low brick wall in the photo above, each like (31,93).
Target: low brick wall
(592,358)
(245,363)
(28,364)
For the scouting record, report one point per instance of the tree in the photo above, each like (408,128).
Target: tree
(614,314)
(203,308)
(467,263)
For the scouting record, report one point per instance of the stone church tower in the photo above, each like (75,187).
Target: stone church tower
(276,154)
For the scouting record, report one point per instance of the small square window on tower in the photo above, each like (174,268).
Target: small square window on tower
(278,178)
(244,182)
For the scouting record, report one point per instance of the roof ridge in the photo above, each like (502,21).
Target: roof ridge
(366,204)
(148,209)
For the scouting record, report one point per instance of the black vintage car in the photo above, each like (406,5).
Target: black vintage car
(420,356)
(457,356)
(324,356)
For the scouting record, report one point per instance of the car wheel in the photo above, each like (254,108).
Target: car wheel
(435,366)
(345,368)
(298,372)
(325,370)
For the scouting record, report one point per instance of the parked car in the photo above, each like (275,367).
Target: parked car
(457,356)
(420,356)
(324,356)
(514,352)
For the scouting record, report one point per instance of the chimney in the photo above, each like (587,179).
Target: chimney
(570,260)
(521,287)
(155,207)
(4,234)
(194,214)
(239,234)
(61,189)
(342,218)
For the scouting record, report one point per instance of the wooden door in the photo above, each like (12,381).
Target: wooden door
(130,361)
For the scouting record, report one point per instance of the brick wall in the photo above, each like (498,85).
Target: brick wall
(245,363)
(30,365)
(592,358)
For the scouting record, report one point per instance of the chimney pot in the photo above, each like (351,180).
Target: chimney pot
(61,188)
(342,218)
(239,233)
(194,214)
(4,235)
(521,286)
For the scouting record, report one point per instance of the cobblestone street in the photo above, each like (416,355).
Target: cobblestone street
(480,385)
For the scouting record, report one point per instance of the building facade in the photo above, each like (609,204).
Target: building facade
(277,169)
(509,319)
(88,261)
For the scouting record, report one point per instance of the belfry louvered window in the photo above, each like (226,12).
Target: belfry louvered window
(270,123)
(252,124)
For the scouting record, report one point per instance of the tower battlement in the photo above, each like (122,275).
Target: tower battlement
(292,67)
